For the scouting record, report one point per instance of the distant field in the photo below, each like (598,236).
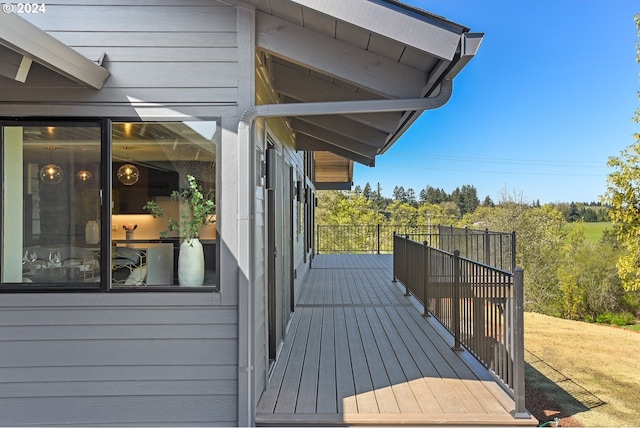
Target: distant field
(593,231)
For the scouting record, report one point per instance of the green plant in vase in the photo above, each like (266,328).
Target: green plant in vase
(196,210)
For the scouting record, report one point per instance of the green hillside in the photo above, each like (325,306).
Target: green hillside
(594,231)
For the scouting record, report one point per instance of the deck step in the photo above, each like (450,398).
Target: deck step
(391,419)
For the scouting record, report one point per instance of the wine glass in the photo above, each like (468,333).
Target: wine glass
(54,257)
(30,257)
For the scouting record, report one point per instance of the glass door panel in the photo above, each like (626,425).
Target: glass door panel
(51,204)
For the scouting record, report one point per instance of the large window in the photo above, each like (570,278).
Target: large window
(152,162)
(73,218)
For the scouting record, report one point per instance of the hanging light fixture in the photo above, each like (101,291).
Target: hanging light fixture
(51,173)
(84,175)
(128,174)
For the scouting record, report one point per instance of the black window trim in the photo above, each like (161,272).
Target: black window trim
(104,286)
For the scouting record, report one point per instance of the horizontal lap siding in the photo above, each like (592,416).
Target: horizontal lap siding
(125,358)
(118,359)
(165,59)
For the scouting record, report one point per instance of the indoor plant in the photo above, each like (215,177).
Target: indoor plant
(197,210)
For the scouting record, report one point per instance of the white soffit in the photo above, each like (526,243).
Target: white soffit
(32,43)
(339,59)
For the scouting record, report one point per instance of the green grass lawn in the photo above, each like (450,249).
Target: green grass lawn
(593,231)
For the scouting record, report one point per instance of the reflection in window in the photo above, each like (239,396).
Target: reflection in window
(161,156)
(51,204)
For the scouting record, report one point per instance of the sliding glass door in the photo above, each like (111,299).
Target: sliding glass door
(51,203)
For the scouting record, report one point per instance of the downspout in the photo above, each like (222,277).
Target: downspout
(246,241)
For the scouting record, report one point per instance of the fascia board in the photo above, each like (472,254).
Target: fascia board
(437,37)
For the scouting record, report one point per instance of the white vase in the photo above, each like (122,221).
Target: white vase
(191,263)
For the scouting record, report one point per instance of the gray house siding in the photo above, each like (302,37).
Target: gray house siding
(117,359)
(132,358)
(165,60)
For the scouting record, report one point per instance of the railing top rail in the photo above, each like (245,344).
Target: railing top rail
(486,266)
(468,230)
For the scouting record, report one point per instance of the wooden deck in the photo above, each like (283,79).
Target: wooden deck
(359,352)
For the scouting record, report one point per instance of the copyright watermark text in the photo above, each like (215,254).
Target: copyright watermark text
(24,8)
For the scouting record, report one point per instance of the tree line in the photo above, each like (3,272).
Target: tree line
(464,200)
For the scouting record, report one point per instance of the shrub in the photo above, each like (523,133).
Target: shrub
(619,319)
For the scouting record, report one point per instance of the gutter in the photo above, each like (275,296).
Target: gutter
(246,220)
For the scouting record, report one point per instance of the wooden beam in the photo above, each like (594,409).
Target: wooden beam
(289,80)
(30,41)
(13,65)
(338,59)
(331,137)
(307,142)
(305,88)
(349,128)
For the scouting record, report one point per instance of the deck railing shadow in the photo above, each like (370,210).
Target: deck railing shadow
(574,397)
(480,305)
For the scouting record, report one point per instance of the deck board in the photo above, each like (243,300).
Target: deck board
(327,387)
(358,352)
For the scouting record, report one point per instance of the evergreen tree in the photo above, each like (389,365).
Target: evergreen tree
(423,195)
(573,215)
(367,192)
(410,197)
(399,194)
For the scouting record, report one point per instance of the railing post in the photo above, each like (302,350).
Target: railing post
(466,242)
(520,412)
(487,248)
(406,255)
(513,249)
(395,254)
(378,238)
(426,260)
(456,300)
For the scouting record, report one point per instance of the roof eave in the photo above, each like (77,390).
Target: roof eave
(35,44)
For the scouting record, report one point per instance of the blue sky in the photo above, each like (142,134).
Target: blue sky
(547,99)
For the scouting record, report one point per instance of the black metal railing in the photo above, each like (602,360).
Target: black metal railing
(490,248)
(480,305)
(363,238)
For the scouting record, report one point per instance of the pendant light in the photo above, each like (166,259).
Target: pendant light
(128,174)
(51,173)
(84,175)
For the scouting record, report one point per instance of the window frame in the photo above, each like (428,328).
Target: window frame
(105,189)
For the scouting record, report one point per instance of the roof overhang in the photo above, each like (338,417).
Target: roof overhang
(356,50)
(22,43)
(333,172)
